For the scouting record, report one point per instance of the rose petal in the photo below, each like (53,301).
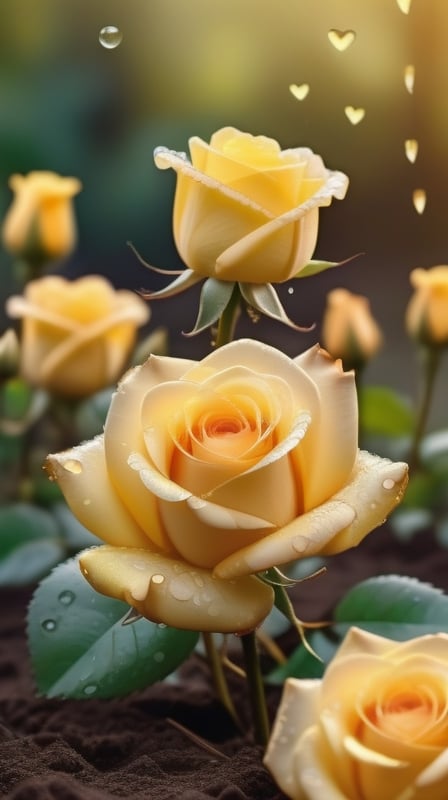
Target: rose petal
(314,778)
(83,477)
(298,710)
(375,488)
(329,452)
(123,436)
(174,593)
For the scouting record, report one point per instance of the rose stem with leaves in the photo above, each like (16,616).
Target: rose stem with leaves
(430,362)
(226,327)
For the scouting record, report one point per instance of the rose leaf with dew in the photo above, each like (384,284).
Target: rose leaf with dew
(81,647)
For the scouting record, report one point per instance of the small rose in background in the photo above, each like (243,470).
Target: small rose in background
(40,224)
(427,312)
(76,335)
(375,726)
(210,472)
(244,209)
(349,331)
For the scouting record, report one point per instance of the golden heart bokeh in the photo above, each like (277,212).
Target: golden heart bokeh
(411,149)
(354,115)
(404,5)
(299,92)
(409,77)
(419,200)
(341,40)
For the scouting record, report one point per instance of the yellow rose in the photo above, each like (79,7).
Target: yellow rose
(40,222)
(375,726)
(349,330)
(76,335)
(427,312)
(245,210)
(209,472)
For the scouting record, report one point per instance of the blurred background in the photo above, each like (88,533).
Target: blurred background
(188,67)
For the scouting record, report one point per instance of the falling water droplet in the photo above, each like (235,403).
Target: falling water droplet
(110,37)
(49,625)
(67,597)
(90,689)
(411,149)
(419,200)
(72,465)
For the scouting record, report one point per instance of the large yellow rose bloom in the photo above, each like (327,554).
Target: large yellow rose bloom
(244,209)
(427,312)
(210,472)
(375,726)
(76,335)
(40,222)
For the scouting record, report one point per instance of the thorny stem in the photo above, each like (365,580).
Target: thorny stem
(431,362)
(256,689)
(228,319)
(219,679)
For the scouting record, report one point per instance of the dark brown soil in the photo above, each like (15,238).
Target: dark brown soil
(130,748)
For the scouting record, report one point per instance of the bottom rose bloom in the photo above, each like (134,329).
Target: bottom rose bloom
(375,726)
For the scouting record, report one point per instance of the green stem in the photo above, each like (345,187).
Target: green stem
(219,677)
(256,688)
(431,362)
(228,319)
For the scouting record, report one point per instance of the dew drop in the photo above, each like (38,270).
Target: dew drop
(140,565)
(182,588)
(110,37)
(291,290)
(49,625)
(161,625)
(388,483)
(72,465)
(67,597)
(90,689)
(300,544)
(419,200)
(157,579)
(159,656)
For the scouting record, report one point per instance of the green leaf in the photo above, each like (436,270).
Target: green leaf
(314,267)
(263,298)
(394,606)
(30,544)
(384,412)
(80,648)
(215,295)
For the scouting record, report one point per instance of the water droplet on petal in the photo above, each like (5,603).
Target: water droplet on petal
(73,465)
(49,625)
(300,544)
(110,37)
(157,579)
(388,483)
(140,565)
(159,656)
(182,587)
(213,610)
(419,200)
(409,77)
(411,149)
(90,689)
(67,597)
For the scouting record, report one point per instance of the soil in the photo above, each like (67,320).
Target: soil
(133,747)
